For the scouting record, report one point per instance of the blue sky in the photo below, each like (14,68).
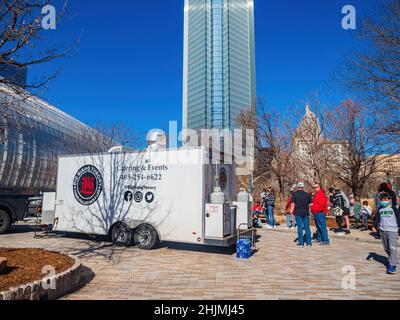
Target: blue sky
(128,65)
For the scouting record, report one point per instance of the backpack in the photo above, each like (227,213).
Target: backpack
(338,212)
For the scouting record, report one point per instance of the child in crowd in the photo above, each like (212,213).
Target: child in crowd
(257,211)
(366,214)
(388,221)
(355,211)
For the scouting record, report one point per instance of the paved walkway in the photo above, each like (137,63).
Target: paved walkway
(356,235)
(278,270)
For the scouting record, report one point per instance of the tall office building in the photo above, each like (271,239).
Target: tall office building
(219,62)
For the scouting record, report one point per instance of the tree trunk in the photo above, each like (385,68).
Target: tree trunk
(357,191)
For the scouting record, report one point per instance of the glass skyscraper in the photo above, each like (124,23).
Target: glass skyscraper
(219,62)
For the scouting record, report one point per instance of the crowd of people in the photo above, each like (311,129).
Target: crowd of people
(302,205)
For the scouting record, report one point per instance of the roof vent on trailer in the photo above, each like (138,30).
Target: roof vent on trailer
(120,149)
(156,140)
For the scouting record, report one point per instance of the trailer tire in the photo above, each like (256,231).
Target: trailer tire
(121,235)
(5,222)
(146,237)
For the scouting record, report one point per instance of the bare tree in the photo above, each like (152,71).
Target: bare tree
(117,134)
(273,144)
(103,137)
(310,154)
(358,151)
(21,40)
(22,45)
(309,149)
(376,70)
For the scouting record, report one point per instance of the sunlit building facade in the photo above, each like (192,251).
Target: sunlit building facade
(32,136)
(219,62)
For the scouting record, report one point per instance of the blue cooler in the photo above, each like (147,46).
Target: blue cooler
(243,249)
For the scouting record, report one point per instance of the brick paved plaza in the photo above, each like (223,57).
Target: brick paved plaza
(278,271)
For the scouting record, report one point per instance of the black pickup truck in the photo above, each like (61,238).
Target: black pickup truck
(13,208)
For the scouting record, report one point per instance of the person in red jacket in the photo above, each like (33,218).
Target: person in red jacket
(257,211)
(257,208)
(290,221)
(319,209)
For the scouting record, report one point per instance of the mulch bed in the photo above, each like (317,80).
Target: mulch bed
(25,266)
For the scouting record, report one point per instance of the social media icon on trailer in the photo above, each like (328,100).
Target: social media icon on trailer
(138,197)
(149,197)
(128,196)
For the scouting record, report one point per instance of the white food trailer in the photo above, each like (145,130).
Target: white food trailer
(150,196)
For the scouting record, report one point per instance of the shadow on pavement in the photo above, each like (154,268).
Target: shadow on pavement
(19,229)
(87,275)
(102,247)
(75,236)
(378,258)
(198,248)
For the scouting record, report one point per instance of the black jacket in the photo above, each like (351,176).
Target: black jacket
(337,201)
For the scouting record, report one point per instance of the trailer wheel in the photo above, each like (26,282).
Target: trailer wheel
(5,222)
(121,235)
(146,237)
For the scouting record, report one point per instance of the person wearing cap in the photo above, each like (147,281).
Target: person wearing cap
(300,207)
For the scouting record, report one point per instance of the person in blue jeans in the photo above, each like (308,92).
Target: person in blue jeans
(264,197)
(271,199)
(318,235)
(303,223)
(290,221)
(301,202)
(322,231)
(319,209)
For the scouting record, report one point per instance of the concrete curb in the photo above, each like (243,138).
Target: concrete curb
(65,283)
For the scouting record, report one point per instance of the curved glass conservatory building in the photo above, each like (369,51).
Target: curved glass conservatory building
(32,136)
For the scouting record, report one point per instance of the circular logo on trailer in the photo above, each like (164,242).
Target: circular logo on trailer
(149,197)
(223,178)
(138,197)
(88,185)
(128,196)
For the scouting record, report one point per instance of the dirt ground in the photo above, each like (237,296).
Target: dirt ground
(26,266)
